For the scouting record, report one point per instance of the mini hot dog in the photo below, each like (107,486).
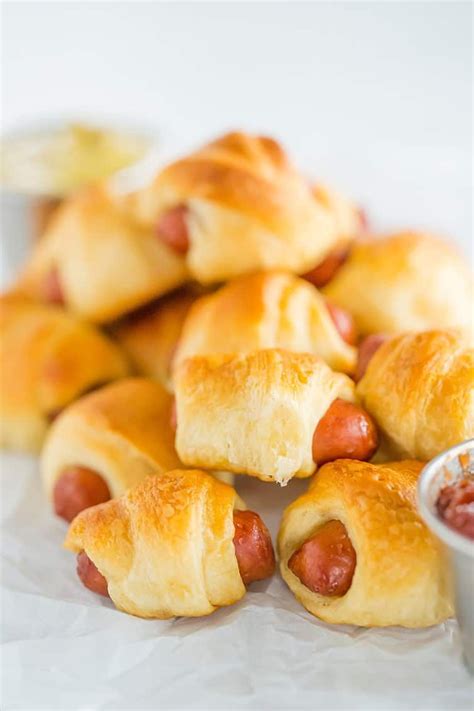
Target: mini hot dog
(253,550)
(180,546)
(76,489)
(346,431)
(325,563)
(253,547)
(52,289)
(89,575)
(172,229)
(344,323)
(325,270)
(368,347)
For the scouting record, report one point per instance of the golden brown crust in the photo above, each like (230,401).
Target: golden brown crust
(406,281)
(254,413)
(47,359)
(107,264)
(122,432)
(264,310)
(345,215)
(248,209)
(166,546)
(149,337)
(419,387)
(400,576)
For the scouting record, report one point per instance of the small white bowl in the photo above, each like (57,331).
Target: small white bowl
(445,469)
(24,208)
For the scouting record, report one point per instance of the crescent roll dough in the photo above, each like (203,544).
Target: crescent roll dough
(166,546)
(248,209)
(420,389)
(399,577)
(150,336)
(264,310)
(406,281)
(254,413)
(47,359)
(122,432)
(347,218)
(106,263)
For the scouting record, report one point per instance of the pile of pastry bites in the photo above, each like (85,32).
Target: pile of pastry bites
(231,318)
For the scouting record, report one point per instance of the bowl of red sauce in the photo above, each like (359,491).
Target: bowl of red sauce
(446,503)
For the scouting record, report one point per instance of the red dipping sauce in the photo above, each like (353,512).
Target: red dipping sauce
(455,506)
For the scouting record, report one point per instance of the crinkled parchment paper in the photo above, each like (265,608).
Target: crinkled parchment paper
(66,648)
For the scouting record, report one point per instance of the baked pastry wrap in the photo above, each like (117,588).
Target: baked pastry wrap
(419,387)
(254,413)
(150,336)
(48,358)
(123,432)
(264,310)
(247,209)
(105,263)
(400,575)
(403,282)
(347,218)
(165,546)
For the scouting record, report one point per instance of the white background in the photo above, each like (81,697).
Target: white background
(375,99)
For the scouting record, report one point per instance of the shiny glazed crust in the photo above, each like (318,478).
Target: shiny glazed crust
(122,432)
(107,263)
(249,209)
(264,310)
(255,413)
(166,546)
(400,576)
(47,359)
(419,387)
(406,281)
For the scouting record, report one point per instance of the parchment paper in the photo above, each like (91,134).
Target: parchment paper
(66,648)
